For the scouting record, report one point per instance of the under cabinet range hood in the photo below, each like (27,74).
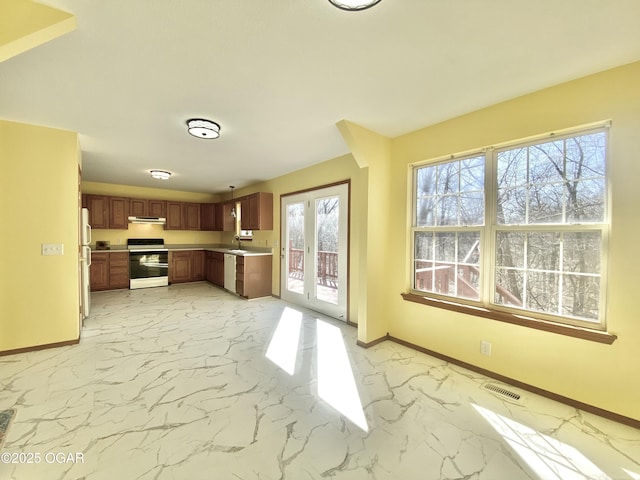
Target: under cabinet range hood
(152,220)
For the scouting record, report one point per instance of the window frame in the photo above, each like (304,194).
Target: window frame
(486,305)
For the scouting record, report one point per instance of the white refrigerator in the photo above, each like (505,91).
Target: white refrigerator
(85,263)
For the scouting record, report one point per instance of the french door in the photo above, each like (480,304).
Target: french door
(314,249)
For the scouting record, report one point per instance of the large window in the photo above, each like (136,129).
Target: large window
(520,228)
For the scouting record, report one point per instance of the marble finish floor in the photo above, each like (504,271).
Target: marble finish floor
(190,382)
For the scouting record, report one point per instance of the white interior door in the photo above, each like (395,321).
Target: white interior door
(315,251)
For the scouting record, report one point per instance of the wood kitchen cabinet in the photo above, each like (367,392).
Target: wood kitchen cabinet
(98,206)
(223,221)
(198,265)
(118,213)
(109,271)
(179,267)
(187,266)
(215,268)
(174,216)
(118,270)
(157,208)
(253,275)
(208,216)
(191,216)
(257,211)
(99,272)
(138,207)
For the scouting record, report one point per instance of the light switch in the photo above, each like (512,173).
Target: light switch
(52,249)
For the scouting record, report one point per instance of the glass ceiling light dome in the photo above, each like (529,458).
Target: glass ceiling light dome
(354,5)
(160,174)
(201,128)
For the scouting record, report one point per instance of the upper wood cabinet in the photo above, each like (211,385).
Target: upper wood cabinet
(98,206)
(157,208)
(118,213)
(257,211)
(191,216)
(208,216)
(174,216)
(138,207)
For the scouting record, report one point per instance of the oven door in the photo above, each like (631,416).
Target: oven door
(148,268)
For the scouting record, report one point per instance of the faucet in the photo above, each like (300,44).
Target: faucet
(237,237)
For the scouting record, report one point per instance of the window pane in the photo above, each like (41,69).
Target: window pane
(455,270)
(546,162)
(447,211)
(423,264)
(542,291)
(582,252)
(425,216)
(585,156)
(543,251)
(586,201)
(426,181)
(580,296)
(512,206)
(472,174)
(545,203)
(512,168)
(509,285)
(510,249)
(448,178)
(472,208)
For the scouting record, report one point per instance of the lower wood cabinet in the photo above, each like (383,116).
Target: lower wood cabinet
(253,275)
(186,266)
(215,268)
(109,271)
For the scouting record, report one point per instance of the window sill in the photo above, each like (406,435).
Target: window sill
(568,330)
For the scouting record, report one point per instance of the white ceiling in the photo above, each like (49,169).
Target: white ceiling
(278,74)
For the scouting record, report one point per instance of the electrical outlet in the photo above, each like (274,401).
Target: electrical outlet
(485,348)
(52,249)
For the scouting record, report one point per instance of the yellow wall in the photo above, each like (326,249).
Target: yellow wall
(39,297)
(119,237)
(605,376)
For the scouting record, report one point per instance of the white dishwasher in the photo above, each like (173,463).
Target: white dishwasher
(230,272)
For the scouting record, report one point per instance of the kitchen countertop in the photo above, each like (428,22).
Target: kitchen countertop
(243,252)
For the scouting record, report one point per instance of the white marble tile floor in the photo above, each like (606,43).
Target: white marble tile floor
(191,382)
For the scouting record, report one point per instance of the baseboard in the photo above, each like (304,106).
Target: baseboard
(631,422)
(373,342)
(39,347)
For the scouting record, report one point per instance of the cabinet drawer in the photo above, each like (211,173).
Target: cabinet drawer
(240,287)
(119,260)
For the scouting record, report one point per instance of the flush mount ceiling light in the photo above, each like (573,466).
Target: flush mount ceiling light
(160,174)
(201,128)
(354,5)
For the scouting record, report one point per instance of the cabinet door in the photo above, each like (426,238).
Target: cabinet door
(261,211)
(138,207)
(197,265)
(218,278)
(208,216)
(157,208)
(118,213)
(118,270)
(99,272)
(209,266)
(228,221)
(98,206)
(191,216)
(180,267)
(245,214)
(174,216)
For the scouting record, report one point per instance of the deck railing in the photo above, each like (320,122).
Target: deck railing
(327,266)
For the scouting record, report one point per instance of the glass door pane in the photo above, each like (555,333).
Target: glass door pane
(327,241)
(295,247)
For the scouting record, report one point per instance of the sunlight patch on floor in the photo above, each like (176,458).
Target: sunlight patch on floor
(283,348)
